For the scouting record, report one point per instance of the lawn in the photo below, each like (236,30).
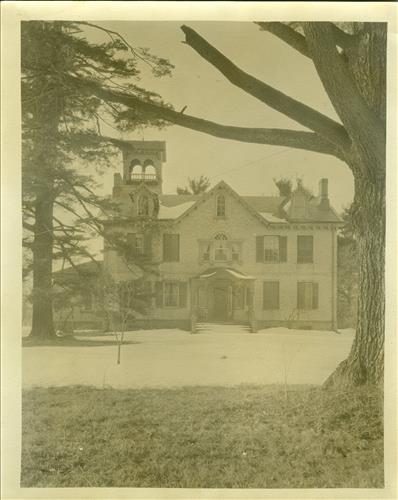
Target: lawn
(202,437)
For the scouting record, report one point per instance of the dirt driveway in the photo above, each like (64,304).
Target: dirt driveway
(173,358)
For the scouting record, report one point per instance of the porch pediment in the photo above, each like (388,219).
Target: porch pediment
(223,273)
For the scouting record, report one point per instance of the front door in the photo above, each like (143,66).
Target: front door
(220,303)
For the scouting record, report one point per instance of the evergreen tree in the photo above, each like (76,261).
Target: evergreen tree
(61,135)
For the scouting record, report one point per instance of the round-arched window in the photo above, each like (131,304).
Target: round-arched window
(220,247)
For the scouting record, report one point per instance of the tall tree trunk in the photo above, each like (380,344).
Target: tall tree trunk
(45,118)
(365,363)
(42,317)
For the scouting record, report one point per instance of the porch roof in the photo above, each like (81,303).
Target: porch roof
(223,272)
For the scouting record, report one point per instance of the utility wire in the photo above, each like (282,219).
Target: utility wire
(250,163)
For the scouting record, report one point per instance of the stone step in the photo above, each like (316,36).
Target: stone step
(222,328)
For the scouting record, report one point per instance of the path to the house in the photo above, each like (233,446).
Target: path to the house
(173,358)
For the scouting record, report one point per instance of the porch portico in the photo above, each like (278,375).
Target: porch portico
(222,295)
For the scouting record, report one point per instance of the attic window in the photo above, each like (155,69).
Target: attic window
(220,211)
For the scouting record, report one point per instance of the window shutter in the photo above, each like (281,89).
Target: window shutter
(131,242)
(259,248)
(315,288)
(183,294)
(148,245)
(282,248)
(159,294)
(175,245)
(300,295)
(271,295)
(171,247)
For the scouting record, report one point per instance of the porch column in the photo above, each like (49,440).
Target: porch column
(193,302)
(252,314)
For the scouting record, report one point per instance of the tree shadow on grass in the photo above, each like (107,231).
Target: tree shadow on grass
(72,341)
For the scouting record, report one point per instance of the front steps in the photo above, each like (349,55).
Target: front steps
(229,328)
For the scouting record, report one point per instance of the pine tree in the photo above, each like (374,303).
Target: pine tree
(61,136)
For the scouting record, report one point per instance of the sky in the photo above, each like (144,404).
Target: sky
(247,168)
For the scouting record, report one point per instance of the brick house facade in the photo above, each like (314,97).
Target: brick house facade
(223,257)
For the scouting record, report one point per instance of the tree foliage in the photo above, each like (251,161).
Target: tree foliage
(195,185)
(62,136)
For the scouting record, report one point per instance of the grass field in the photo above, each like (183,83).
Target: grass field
(202,437)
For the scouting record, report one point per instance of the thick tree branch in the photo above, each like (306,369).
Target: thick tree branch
(298,42)
(297,111)
(276,137)
(288,35)
(341,38)
(362,124)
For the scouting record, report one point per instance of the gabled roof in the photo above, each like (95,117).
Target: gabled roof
(268,209)
(234,194)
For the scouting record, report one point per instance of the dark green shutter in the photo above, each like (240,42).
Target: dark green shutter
(315,295)
(159,294)
(147,245)
(259,248)
(175,245)
(271,295)
(171,247)
(282,248)
(183,294)
(300,295)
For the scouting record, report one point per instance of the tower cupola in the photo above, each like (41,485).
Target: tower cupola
(142,164)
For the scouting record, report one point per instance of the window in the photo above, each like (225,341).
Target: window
(307,295)
(171,247)
(220,205)
(220,247)
(171,294)
(271,295)
(143,205)
(305,249)
(136,243)
(271,248)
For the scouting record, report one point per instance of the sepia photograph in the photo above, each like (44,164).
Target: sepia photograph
(203,252)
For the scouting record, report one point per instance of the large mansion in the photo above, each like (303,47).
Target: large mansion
(224,257)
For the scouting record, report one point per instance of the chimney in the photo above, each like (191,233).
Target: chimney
(323,194)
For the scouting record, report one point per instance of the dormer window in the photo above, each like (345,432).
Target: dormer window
(220,208)
(143,205)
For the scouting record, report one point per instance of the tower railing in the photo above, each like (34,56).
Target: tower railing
(143,177)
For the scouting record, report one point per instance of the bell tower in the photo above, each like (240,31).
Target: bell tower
(142,164)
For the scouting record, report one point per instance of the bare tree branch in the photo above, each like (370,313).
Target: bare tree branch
(362,124)
(276,137)
(297,111)
(288,35)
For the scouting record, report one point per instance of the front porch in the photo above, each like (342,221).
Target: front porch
(222,295)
